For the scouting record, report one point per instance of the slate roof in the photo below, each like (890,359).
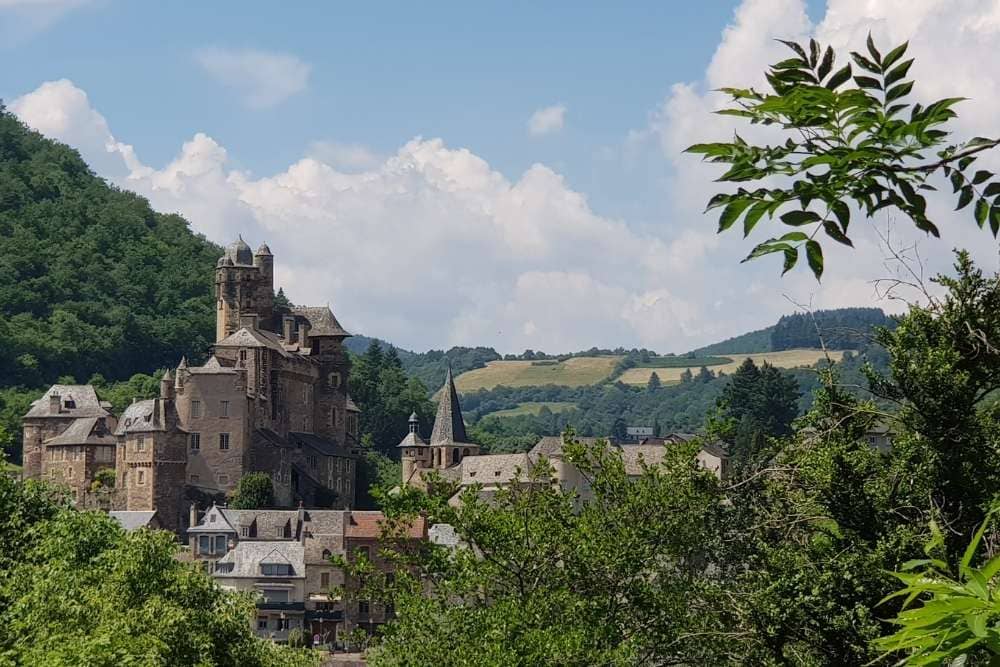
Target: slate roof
(138,418)
(448,423)
(351,405)
(248,555)
(83,396)
(320,444)
(322,321)
(495,468)
(133,520)
(238,252)
(633,456)
(246,337)
(551,445)
(85,431)
(412,439)
(212,367)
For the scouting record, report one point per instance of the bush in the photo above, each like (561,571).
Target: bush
(254,491)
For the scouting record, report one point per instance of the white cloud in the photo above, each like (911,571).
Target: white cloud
(262,78)
(22,19)
(347,157)
(547,120)
(429,247)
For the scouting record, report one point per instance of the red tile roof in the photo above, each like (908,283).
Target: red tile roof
(368,525)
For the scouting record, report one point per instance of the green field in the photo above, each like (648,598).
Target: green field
(783,359)
(533,408)
(573,372)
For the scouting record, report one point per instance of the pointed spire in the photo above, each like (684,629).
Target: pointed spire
(184,363)
(448,424)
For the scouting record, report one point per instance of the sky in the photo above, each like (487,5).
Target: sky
(504,174)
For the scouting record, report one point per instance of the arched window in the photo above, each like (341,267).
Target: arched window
(326,554)
(465,452)
(454,455)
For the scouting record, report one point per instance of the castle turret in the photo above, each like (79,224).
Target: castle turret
(414,454)
(243,286)
(264,297)
(167,386)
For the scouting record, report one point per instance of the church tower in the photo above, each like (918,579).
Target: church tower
(449,443)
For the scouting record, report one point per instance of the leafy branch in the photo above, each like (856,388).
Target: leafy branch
(853,138)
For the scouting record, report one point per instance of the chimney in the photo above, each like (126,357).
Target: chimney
(288,325)
(157,411)
(248,321)
(55,403)
(193,517)
(304,335)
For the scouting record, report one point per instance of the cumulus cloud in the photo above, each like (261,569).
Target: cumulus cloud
(428,247)
(262,78)
(547,120)
(347,157)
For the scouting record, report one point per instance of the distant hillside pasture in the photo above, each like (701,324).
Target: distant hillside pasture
(783,359)
(686,362)
(573,372)
(533,408)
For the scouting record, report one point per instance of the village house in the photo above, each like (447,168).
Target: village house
(272,397)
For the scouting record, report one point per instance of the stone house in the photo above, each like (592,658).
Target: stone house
(239,548)
(272,397)
(68,437)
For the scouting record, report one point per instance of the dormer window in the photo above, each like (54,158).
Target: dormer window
(276,569)
(69,404)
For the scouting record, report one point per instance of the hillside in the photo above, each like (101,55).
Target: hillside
(92,280)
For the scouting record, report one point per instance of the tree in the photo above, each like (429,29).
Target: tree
(254,491)
(76,589)
(850,137)
(542,580)
(654,383)
(757,404)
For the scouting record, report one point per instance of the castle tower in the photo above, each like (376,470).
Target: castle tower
(240,286)
(264,297)
(152,459)
(415,454)
(322,336)
(449,443)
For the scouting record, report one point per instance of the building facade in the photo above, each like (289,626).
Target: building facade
(272,397)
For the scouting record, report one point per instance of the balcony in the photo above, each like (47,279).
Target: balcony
(325,615)
(281,606)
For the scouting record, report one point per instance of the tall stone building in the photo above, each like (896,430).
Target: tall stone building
(272,397)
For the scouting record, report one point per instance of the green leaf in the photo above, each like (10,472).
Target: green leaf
(794,237)
(995,219)
(814,255)
(839,77)
(794,47)
(982,211)
(791,258)
(992,189)
(813,52)
(732,212)
(833,231)
(964,198)
(981,176)
(826,65)
(876,56)
(754,215)
(898,73)
(898,91)
(957,181)
(843,213)
(868,82)
(894,55)
(865,64)
(798,218)
(766,248)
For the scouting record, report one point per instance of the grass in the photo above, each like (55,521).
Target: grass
(686,362)
(574,372)
(783,359)
(533,408)
(10,469)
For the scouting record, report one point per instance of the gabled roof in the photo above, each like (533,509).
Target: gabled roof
(322,321)
(133,520)
(495,468)
(222,523)
(633,456)
(448,423)
(368,525)
(551,446)
(85,431)
(139,418)
(248,555)
(212,367)
(82,397)
(322,445)
(246,337)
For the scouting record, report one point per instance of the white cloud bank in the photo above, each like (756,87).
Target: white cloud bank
(547,120)
(432,247)
(262,78)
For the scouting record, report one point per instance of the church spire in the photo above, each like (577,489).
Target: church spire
(448,424)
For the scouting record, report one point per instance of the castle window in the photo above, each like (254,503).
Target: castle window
(324,580)
(243,355)
(313,462)
(69,472)
(195,409)
(472,474)
(195,479)
(262,622)
(223,409)
(454,455)
(276,569)
(142,478)
(194,440)
(223,441)
(223,479)
(140,444)
(363,607)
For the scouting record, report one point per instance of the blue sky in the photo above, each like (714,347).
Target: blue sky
(507,174)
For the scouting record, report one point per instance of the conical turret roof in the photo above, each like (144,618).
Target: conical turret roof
(448,424)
